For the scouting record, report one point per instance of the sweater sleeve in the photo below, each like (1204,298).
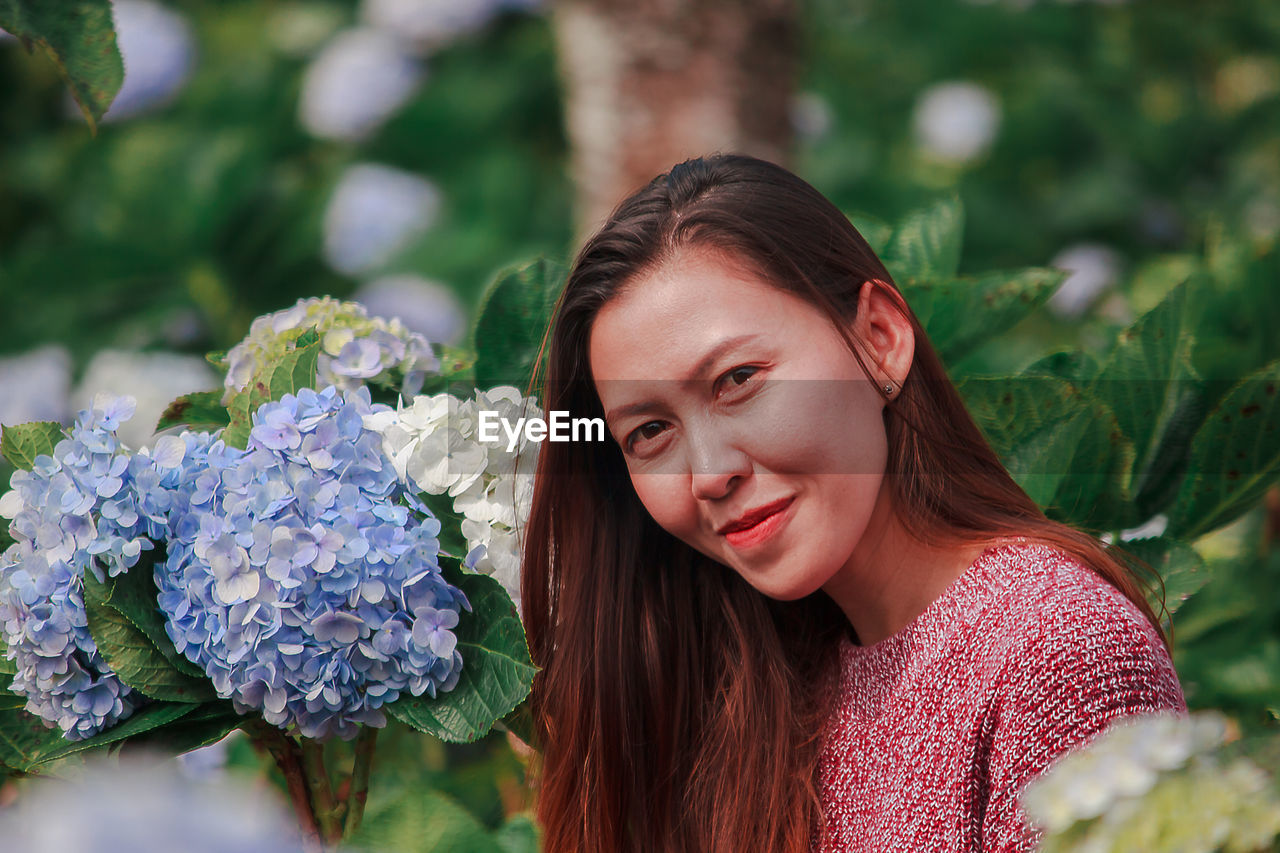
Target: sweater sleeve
(1066,677)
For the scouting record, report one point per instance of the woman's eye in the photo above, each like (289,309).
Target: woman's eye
(739,376)
(644,432)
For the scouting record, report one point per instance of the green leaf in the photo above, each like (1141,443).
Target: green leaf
(1076,366)
(926,243)
(202,410)
(520,834)
(23,736)
(7,667)
(497,671)
(22,443)
(295,370)
(207,724)
(25,742)
(78,36)
(1150,384)
(520,723)
(131,655)
(424,822)
(1235,457)
(960,314)
(875,231)
(1061,445)
(515,312)
(134,595)
(1178,564)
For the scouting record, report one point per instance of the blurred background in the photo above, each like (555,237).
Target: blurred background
(402,152)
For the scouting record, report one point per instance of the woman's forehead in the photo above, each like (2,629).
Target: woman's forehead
(669,320)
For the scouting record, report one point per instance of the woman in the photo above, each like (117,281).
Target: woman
(794,601)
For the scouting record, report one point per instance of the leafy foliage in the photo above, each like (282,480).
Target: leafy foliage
(21,444)
(497,672)
(295,370)
(514,313)
(79,37)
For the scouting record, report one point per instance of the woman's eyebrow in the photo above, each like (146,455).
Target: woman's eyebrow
(702,367)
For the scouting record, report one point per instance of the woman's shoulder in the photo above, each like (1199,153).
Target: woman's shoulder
(1065,638)
(1074,655)
(1041,594)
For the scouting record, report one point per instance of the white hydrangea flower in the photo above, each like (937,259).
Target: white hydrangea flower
(429,23)
(355,84)
(427,307)
(154,379)
(34,386)
(158,49)
(956,121)
(373,213)
(354,347)
(1123,762)
(1092,269)
(434,442)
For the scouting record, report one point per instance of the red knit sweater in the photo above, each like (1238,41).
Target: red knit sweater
(1026,655)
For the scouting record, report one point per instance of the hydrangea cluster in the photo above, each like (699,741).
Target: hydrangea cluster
(354,347)
(1155,783)
(297,579)
(435,446)
(92,506)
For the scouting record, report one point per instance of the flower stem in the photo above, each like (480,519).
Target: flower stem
(321,788)
(285,753)
(359,791)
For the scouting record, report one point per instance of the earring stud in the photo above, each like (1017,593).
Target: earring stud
(888,387)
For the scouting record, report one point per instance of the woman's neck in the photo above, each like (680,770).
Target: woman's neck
(891,577)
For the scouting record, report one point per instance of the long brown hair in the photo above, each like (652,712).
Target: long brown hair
(678,709)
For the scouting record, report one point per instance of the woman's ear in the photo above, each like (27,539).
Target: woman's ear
(885,333)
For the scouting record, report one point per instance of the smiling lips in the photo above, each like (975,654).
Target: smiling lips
(757,525)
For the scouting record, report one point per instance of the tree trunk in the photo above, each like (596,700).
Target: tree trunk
(649,83)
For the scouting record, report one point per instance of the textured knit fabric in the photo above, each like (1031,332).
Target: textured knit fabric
(1028,654)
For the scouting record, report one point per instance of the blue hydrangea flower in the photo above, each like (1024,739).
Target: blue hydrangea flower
(299,581)
(92,506)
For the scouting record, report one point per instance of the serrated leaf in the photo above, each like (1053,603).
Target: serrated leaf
(1076,366)
(207,724)
(1178,564)
(515,311)
(1235,457)
(134,595)
(926,243)
(960,314)
(497,671)
(78,35)
(293,371)
(1059,443)
(25,742)
(22,443)
(132,656)
(1157,397)
(24,736)
(202,410)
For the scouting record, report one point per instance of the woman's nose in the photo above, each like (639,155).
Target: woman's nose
(715,466)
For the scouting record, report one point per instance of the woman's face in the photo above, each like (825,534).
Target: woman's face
(749,430)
